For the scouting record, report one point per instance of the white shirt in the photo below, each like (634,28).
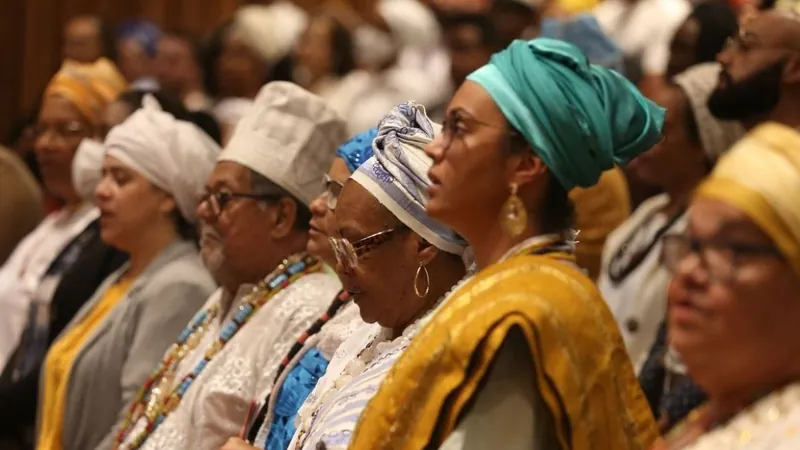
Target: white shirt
(21,275)
(215,407)
(643,28)
(772,423)
(639,301)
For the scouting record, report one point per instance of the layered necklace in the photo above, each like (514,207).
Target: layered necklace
(158,398)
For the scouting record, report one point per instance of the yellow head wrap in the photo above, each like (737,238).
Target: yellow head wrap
(759,176)
(90,87)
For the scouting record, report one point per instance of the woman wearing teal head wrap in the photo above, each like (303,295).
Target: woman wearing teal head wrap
(525,354)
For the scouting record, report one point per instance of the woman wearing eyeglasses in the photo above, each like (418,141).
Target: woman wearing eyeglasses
(734,302)
(525,355)
(273,425)
(395,262)
(152,178)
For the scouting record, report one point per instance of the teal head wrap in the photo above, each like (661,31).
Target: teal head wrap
(579,118)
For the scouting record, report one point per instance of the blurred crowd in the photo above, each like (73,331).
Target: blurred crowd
(407,224)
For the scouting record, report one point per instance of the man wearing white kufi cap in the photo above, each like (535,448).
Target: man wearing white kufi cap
(254,226)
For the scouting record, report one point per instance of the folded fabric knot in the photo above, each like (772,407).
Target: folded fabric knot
(581,119)
(174,155)
(397,174)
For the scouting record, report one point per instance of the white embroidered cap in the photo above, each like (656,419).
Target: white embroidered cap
(290,137)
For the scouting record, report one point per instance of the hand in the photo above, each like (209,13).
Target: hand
(237,444)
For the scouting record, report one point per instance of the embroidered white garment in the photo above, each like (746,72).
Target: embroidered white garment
(327,342)
(639,301)
(773,423)
(216,405)
(331,412)
(21,275)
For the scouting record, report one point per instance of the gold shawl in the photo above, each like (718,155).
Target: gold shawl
(582,369)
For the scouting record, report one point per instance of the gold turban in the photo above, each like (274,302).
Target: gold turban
(90,87)
(759,176)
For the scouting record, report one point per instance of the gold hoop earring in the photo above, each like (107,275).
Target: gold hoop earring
(424,269)
(513,216)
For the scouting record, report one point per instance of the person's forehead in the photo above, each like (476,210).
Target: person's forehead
(83,26)
(357,205)
(771,27)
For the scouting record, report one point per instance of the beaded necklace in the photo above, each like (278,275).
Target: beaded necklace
(159,405)
(341,299)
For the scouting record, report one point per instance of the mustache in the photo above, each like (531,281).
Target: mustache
(209,231)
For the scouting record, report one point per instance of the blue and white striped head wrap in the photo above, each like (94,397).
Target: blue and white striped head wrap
(357,150)
(397,175)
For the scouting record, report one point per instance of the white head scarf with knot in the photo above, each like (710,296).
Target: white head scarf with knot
(397,174)
(174,155)
(716,136)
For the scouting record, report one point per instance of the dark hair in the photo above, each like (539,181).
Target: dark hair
(558,212)
(264,186)
(186,231)
(484,24)
(108,39)
(717,22)
(344,60)
(766,4)
(210,51)
(169,103)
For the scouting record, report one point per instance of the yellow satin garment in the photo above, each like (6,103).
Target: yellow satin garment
(582,369)
(759,176)
(599,210)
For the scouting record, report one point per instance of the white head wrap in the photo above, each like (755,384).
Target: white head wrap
(412,25)
(174,155)
(269,30)
(87,168)
(290,137)
(397,175)
(716,136)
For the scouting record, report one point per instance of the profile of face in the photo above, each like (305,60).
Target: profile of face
(683,47)
(677,150)
(313,55)
(733,304)
(128,204)
(472,165)
(753,68)
(238,67)
(59,130)
(468,51)
(387,255)
(322,210)
(237,232)
(175,64)
(82,40)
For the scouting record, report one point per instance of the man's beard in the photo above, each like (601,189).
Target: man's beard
(753,97)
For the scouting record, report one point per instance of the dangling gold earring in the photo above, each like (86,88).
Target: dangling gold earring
(422,269)
(513,216)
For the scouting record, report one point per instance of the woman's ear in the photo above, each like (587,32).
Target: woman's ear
(526,168)
(168,204)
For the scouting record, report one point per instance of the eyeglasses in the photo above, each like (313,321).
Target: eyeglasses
(347,254)
(217,201)
(721,260)
(64,131)
(451,130)
(331,189)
